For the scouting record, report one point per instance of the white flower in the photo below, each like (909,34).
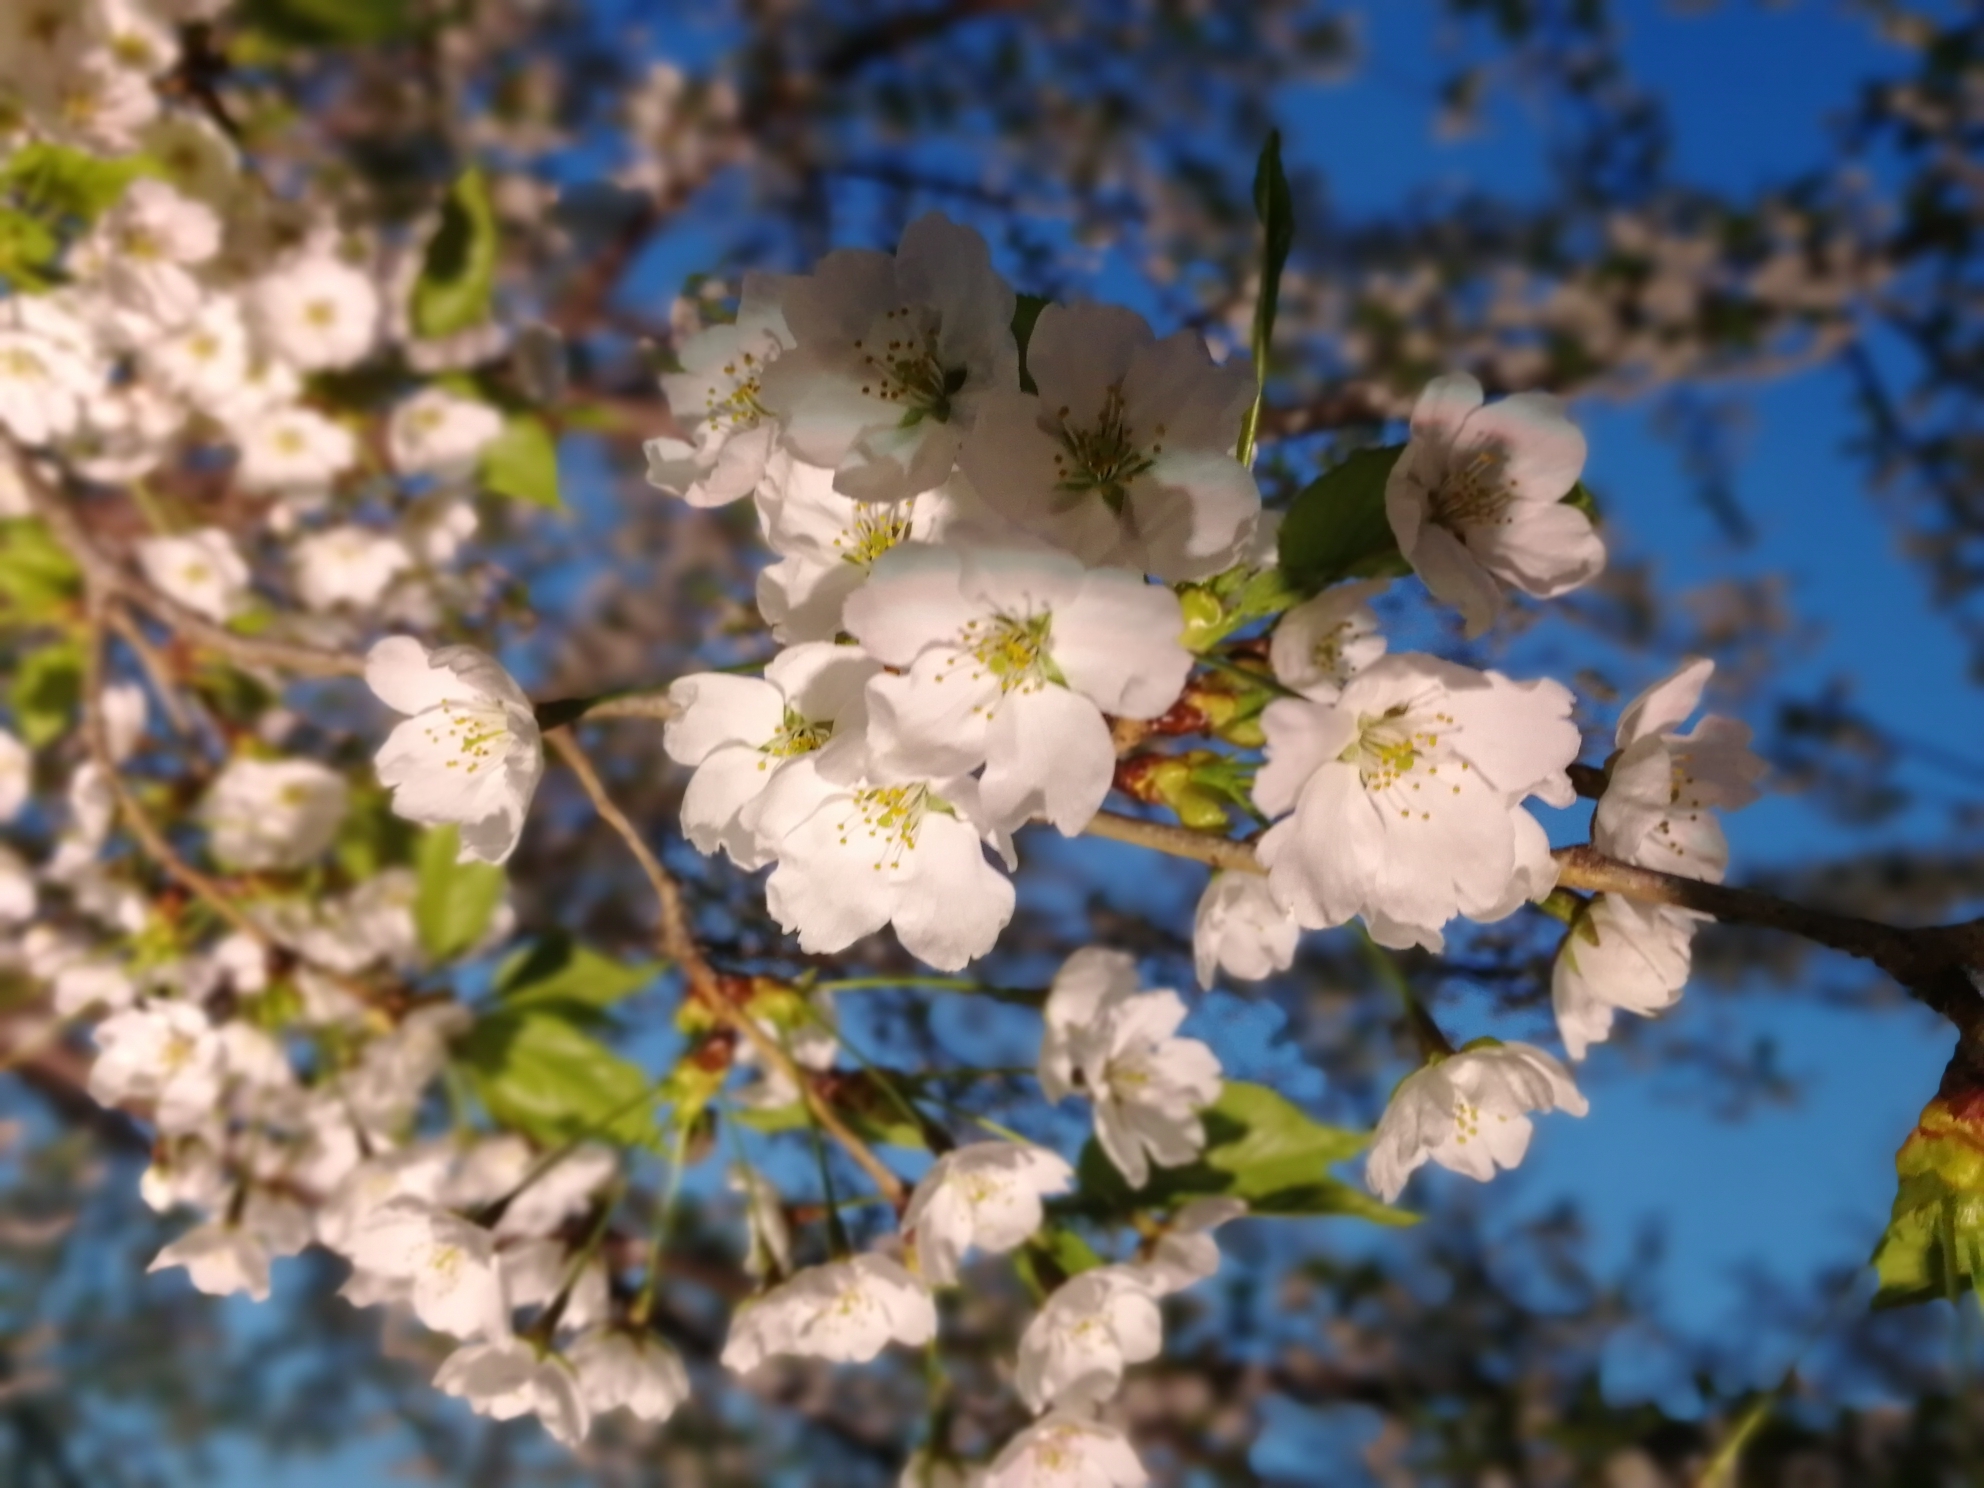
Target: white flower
(856,853)
(93,100)
(166,1053)
(200,569)
(316,312)
(205,360)
(1477,497)
(739,732)
(536,1271)
(986,1195)
(771,1237)
(470,753)
(436,432)
(457,1284)
(1148,1085)
(16,775)
(1186,1254)
(411,1172)
(508,1377)
(18,897)
(1656,812)
(1323,642)
(221,1259)
(45,383)
(1010,659)
(891,358)
(347,565)
(1126,456)
(715,400)
(1406,793)
(140,251)
(637,1370)
(123,707)
(1240,929)
(292,449)
(1065,1450)
(1468,1112)
(272,814)
(846,1312)
(1074,1351)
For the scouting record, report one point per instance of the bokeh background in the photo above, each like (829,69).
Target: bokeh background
(1742,238)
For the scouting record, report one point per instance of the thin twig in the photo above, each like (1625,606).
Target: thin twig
(678,942)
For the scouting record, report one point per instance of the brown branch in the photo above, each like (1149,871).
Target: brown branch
(1934,963)
(677,941)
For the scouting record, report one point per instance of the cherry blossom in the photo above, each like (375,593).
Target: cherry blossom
(1477,497)
(272,814)
(509,1377)
(1186,1254)
(166,1053)
(716,399)
(1067,1450)
(141,251)
(1239,929)
(1125,457)
(439,433)
(619,1367)
(289,449)
(985,1195)
(16,775)
(456,1285)
(347,565)
(1322,643)
(316,312)
(200,569)
(846,1312)
(1074,1351)
(1468,1112)
(470,753)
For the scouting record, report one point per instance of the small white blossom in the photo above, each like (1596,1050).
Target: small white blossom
(1125,458)
(1066,1450)
(1074,1351)
(508,1377)
(1402,797)
(205,359)
(200,569)
(1476,499)
(1468,1112)
(617,1367)
(18,896)
(272,814)
(1319,645)
(16,775)
(45,383)
(221,1259)
(846,1312)
(470,753)
(439,433)
(166,1053)
(347,565)
(1239,928)
(141,250)
(316,312)
(292,450)
(457,1284)
(891,358)
(715,400)
(986,1195)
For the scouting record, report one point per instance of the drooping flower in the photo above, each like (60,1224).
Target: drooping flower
(1011,659)
(469,753)
(1402,798)
(1476,499)
(1186,1254)
(1240,929)
(1067,1450)
(456,1284)
(985,1195)
(891,357)
(1126,456)
(715,399)
(846,1312)
(265,815)
(617,1367)
(509,1377)
(1657,811)
(1468,1112)
(227,1257)
(739,732)
(1074,1351)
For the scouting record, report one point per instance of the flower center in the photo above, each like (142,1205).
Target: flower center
(22,363)
(1104,458)
(1474,494)
(1393,749)
(1012,648)
(737,407)
(475,735)
(900,365)
(323,314)
(797,735)
(892,816)
(877,527)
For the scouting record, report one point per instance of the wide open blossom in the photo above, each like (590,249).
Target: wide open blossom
(1125,458)
(892,357)
(1074,1351)
(205,359)
(739,732)
(985,1195)
(1476,499)
(1406,797)
(1468,1112)
(289,449)
(846,1312)
(200,569)
(272,814)
(1657,811)
(455,1281)
(141,250)
(857,851)
(1067,1450)
(471,752)
(1010,659)
(49,370)
(715,399)
(347,565)
(316,312)
(436,432)
(167,1053)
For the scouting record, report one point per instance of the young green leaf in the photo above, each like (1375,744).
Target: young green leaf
(459,271)
(1337,528)
(541,1073)
(558,971)
(523,462)
(1275,208)
(455,902)
(47,687)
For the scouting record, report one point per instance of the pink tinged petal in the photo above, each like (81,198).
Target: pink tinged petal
(1048,753)
(715,710)
(913,600)
(1302,738)
(1543,548)
(1174,382)
(1444,405)
(1544,451)
(1665,706)
(1079,352)
(1118,642)
(954,913)
(1455,576)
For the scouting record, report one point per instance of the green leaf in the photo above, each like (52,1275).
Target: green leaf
(1260,1147)
(455,901)
(558,971)
(1337,529)
(1026,313)
(331,22)
(456,276)
(1275,208)
(37,575)
(47,686)
(58,184)
(523,462)
(538,1072)
(28,250)
(1051,1256)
